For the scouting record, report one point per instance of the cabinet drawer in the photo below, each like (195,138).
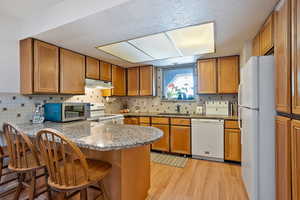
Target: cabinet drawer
(160,120)
(145,120)
(181,121)
(131,120)
(143,124)
(231,124)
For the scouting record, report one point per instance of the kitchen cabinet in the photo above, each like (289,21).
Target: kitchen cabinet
(72,72)
(295,140)
(228,74)
(131,120)
(266,35)
(147,81)
(180,139)
(283,158)
(207,76)
(296,56)
(162,144)
(145,120)
(256,45)
(118,81)
(232,145)
(92,68)
(106,92)
(160,120)
(105,71)
(133,81)
(283,59)
(39,67)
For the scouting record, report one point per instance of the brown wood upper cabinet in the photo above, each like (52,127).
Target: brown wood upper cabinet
(133,81)
(282,59)
(72,72)
(39,67)
(283,158)
(147,79)
(92,68)
(207,76)
(256,45)
(266,35)
(228,74)
(118,81)
(105,71)
(295,141)
(296,56)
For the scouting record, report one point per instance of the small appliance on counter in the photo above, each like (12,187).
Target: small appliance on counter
(66,112)
(38,115)
(97,113)
(217,108)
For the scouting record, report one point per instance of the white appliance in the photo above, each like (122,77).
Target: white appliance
(208,139)
(217,107)
(97,113)
(257,114)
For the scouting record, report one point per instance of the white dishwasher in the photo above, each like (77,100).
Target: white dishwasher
(208,139)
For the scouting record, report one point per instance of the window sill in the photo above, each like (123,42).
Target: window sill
(174,100)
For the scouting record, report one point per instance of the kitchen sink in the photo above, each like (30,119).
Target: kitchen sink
(181,114)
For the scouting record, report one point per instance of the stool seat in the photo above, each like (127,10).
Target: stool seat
(97,170)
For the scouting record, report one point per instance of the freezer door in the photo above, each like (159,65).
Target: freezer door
(248,89)
(249,133)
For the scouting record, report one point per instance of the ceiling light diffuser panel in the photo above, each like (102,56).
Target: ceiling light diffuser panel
(188,41)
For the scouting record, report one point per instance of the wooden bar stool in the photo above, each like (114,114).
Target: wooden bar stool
(4,172)
(24,160)
(74,173)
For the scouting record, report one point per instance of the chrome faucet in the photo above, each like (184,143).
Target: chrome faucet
(178,108)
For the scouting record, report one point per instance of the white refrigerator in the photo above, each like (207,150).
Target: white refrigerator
(257,115)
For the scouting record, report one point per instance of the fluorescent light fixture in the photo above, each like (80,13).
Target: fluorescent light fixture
(126,51)
(158,46)
(194,40)
(188,41)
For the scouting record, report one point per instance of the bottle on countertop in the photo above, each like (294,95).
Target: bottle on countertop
(38,115)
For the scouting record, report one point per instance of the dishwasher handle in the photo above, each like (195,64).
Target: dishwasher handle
(212,121)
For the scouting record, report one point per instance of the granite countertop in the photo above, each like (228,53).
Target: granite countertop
(194,116)
(99,136)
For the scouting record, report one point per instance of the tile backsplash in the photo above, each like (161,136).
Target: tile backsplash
(19,108)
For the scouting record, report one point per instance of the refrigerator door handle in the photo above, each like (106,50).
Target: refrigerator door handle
(239,94)
(239,117)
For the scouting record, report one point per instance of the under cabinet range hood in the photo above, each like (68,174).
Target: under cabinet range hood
(91,83)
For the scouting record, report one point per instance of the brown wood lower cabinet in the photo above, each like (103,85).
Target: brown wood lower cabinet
(163,143)
(232,144)
(283,158)
(295,140)
(180,139)
(131,120)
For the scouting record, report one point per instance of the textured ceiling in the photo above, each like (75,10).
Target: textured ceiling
(236,21)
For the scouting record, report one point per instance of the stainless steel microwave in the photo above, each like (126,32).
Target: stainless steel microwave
(66,112)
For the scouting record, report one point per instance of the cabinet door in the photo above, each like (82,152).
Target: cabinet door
(283,158)
(233,145)
(105,71)
(118,81)
(92,68)
(207,76)
(282,59)
(181,139)
(266,36)
(256,46)
(163,143)
(296,56)
(228,74)
(133,81)
(295,159)
(146,81)
(46,68)
(72,72)
(131,120)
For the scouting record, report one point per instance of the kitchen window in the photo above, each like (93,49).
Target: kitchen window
(178,83)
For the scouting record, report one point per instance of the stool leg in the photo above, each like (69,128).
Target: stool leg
(104,193)
(32,185)
(83,194)
(21,178)
(1,168)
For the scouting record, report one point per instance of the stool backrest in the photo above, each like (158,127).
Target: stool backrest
(64,160)
(23,154)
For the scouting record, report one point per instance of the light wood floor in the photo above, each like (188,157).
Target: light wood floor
(199,180)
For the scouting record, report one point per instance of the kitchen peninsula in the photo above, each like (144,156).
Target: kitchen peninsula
(126,147)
